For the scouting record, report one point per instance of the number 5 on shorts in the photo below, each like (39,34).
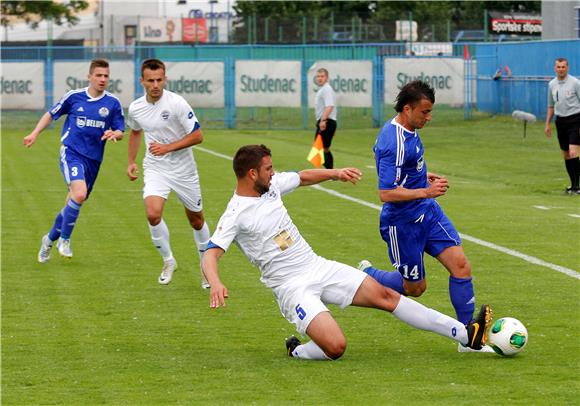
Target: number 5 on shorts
(300,312)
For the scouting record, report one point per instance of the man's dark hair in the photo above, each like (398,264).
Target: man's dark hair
(562,60)
(249,157)
(412,93)
(152,64)
(98,63)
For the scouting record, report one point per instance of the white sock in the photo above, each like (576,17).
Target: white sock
(310,350)
(201,238)
(424,318)
(160,238)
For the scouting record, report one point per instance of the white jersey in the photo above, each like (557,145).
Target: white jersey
(265,233)
(324,98)
(164,122)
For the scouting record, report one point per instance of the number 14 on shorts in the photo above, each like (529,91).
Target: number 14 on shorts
(413,274)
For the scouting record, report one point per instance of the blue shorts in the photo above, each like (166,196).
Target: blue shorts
(431,232)
(74,166)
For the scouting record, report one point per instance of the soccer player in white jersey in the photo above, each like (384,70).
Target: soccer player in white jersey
(93,116)
(303,282)
(171,129)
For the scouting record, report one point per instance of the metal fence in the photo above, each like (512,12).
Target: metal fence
(515,76)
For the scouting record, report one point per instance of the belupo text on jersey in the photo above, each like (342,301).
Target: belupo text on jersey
(84,122)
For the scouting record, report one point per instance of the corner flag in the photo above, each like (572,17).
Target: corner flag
(316,155)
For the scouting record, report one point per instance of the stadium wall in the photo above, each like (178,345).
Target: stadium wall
(239,86)
(524,84)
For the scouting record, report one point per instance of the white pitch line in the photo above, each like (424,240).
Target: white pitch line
(517,254)
(575,215)
(542,207)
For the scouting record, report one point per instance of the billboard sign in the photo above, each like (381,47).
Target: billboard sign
(159,29)
(352,81)
(200,83)
(445,75)
(22,85)
(515,23)
(268,83)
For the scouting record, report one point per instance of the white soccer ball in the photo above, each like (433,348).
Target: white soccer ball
(507,336)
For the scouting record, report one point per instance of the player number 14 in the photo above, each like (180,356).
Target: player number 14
(413,275)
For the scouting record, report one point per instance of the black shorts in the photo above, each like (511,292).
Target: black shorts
(568,131)
(326,134)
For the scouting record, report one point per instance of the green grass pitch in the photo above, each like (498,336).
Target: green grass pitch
(99,329)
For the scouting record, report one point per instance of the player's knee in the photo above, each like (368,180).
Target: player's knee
(79,196)
(197,223)
(154,218)
(335,349)
(196,220)
(462,269)
(415,290)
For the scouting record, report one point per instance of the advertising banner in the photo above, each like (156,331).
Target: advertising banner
(515,23)
(352,82)
(200,83)
(445,75)
(194,29)
(159,29)
(268,84)
(22,85)
(74,75)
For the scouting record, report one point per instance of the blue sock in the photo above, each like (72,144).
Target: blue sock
(462,298)
(393,280)
(54,232)
(69,218)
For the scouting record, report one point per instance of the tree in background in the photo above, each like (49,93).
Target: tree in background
(33,12)
(338,15)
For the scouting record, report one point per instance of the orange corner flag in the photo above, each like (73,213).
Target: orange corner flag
(316,155)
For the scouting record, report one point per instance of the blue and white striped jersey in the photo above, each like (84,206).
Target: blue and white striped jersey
(400,162)
(87,120)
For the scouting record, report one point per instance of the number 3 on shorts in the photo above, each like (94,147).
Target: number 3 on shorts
(74,171)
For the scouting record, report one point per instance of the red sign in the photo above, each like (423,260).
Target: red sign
(194,29)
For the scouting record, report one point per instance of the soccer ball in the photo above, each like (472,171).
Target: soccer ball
(507,336)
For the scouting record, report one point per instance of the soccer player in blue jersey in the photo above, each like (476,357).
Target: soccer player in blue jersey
(93,117)
(411,221)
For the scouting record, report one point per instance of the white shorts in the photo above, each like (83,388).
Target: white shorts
(186,188)
(327,282)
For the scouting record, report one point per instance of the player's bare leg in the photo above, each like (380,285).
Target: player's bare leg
(327,340)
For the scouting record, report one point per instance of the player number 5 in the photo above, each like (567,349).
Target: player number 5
(300,312)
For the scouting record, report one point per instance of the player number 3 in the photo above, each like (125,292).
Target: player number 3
(74,170)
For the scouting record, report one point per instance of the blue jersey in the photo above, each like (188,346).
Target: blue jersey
(400,162)
(87,120)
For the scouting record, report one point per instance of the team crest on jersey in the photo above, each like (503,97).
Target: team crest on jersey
(103,112)
(81,122)
(165,114)
(420,163)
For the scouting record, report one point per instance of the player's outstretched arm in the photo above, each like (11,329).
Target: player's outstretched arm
(314,176)
(218,292)
(44,122)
